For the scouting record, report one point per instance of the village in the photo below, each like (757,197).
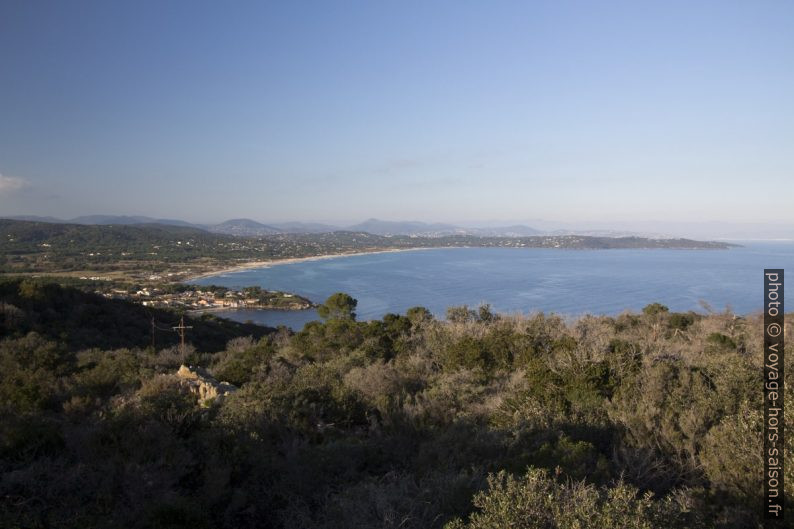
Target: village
(203,298)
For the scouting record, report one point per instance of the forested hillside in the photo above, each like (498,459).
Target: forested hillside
(642,420)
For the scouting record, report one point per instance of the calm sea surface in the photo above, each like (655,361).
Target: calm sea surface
(522,280)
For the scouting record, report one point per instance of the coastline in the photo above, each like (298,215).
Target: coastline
(251,265)
(290,260)
(212,310)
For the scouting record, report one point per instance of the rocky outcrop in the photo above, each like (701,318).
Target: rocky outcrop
(204,385)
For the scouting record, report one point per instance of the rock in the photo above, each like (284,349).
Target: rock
(204,385)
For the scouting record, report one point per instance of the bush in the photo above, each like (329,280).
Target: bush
(536,501)
(241,360)
(720,343)
(654,309)
(681,321)
(462,314)
(33,373)
(167,399)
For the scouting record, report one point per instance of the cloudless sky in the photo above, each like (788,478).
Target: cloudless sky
(436,111)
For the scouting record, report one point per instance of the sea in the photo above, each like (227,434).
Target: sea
(522,280)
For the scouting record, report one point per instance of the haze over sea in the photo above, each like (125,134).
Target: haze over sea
(522,280)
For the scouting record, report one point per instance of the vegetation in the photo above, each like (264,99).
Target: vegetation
(339,306)
(481,421)
(78,320)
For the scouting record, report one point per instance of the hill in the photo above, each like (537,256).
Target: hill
(81,320)
(517,230)
(108,240)
(252,228)
(423,229)
(105,219)
(385,227)
(304,227)
(35,218)
(243,228)
(129,220)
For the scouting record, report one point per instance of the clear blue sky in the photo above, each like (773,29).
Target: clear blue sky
(442,111)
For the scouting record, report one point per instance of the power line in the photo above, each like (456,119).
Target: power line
(181,330)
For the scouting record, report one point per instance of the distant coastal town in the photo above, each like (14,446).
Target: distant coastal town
(206,298)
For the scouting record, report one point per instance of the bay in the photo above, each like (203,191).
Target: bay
(521,280)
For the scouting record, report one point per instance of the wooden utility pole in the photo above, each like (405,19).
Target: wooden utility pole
(181,330)
(153,329)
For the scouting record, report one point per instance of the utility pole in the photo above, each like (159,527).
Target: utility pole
(181,330)
(153,329)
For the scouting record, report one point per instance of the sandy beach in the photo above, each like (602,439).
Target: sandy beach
(291,260)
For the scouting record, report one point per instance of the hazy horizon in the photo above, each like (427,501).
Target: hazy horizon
(581,113)
(713,229)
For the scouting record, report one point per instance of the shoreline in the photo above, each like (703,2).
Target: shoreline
(232,309)
(290,260)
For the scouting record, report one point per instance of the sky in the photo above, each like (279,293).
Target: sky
(456,111)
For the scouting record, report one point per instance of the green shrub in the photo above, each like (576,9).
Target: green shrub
(104,373)
(462,314)
(25,437)
(33,373)
(419,316)
(536,501)
(467,353)
(167,399)
(719,342)
(681,321)
(575,459)
(654,309)
(241,360)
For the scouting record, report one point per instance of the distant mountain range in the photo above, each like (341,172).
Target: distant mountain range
(243,228)
(252,228)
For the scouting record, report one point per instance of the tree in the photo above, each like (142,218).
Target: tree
(655,308)
(339,306)
(462,314)
(419,315)
(484,313)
